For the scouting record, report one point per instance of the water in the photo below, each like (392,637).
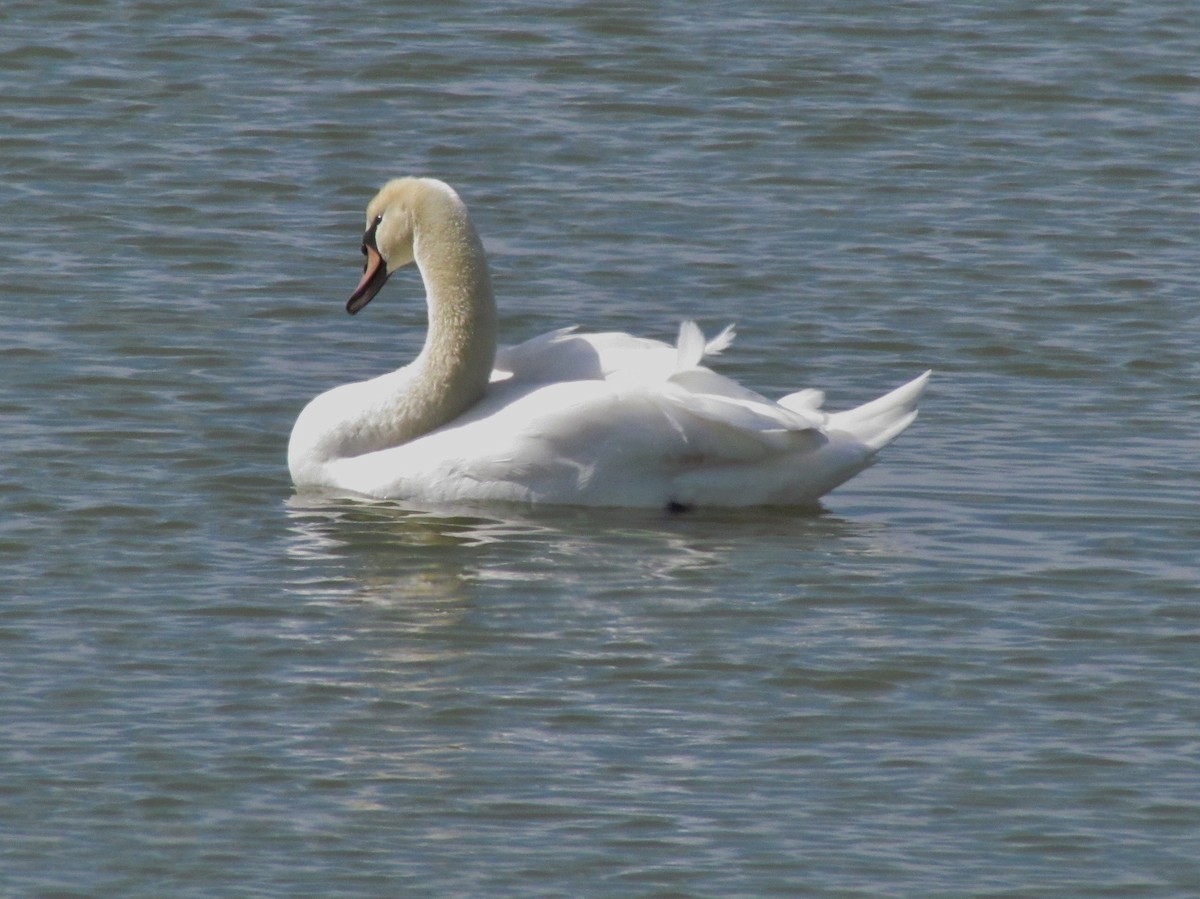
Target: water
(972,675)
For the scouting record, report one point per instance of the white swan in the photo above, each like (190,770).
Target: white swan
(591,419)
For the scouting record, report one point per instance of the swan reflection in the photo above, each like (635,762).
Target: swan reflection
(383,551)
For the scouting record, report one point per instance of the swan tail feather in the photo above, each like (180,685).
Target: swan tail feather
(879,422)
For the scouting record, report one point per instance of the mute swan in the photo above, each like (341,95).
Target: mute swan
(590,419)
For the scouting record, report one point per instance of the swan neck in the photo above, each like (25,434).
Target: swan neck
(455,365)
(460,345)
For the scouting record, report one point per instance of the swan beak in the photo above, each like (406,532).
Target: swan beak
(375,274)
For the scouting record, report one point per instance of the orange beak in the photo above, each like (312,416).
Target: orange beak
(375,274)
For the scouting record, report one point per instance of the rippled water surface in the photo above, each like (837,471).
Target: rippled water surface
(973,674)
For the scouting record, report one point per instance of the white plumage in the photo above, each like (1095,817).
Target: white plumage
(592,419)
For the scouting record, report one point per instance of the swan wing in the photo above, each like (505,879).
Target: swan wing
(589,441)
(565,355)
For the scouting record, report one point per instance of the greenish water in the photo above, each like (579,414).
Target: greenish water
(972,675)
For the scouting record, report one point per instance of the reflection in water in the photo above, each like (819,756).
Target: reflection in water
(400,553)
(471,640)
(429,598)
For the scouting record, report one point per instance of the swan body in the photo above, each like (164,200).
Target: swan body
(590,419)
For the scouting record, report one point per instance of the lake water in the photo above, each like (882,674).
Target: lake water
(974,673)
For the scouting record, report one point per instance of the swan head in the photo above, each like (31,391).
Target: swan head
(389,242)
